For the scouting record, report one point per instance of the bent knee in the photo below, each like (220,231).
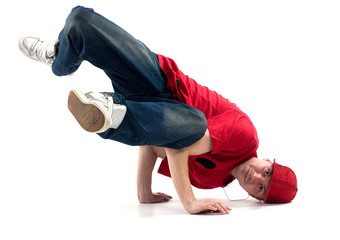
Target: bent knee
(198,123)
(202,122)
(79,15)
(186,126)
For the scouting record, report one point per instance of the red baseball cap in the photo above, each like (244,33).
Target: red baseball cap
(283,185)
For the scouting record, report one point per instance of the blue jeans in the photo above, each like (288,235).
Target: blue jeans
(152,117)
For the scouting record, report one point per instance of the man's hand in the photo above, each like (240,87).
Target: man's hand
(208,205)
(154,197)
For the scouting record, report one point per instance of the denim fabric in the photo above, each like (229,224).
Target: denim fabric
(152,118)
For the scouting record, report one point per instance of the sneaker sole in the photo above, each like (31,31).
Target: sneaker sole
(88,115)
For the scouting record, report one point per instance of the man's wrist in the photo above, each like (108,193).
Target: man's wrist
(188,205)
(144,193)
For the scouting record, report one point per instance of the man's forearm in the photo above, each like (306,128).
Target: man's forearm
(178,164)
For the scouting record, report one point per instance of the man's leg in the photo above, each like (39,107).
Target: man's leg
(146,121)
(149,117)
(132,67)
(158,122)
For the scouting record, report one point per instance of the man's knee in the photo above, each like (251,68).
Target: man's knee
(79,16)
(186,124)
(197,121)
(199,125)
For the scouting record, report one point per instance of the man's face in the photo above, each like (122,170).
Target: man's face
(254,176)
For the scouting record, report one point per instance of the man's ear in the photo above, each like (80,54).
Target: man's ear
(266,159)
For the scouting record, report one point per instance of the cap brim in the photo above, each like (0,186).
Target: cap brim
(270,185)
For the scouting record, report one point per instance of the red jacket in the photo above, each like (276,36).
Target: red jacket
(234,137)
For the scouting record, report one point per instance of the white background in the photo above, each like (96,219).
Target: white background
(278,60)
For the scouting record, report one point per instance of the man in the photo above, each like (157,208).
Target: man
(204,139)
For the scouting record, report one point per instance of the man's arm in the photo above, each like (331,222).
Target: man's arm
(146,163)
(178,164)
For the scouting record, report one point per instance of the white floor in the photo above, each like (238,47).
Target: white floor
(278,61)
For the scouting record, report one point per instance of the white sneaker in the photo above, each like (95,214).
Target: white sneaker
(38,50)
(95,112)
